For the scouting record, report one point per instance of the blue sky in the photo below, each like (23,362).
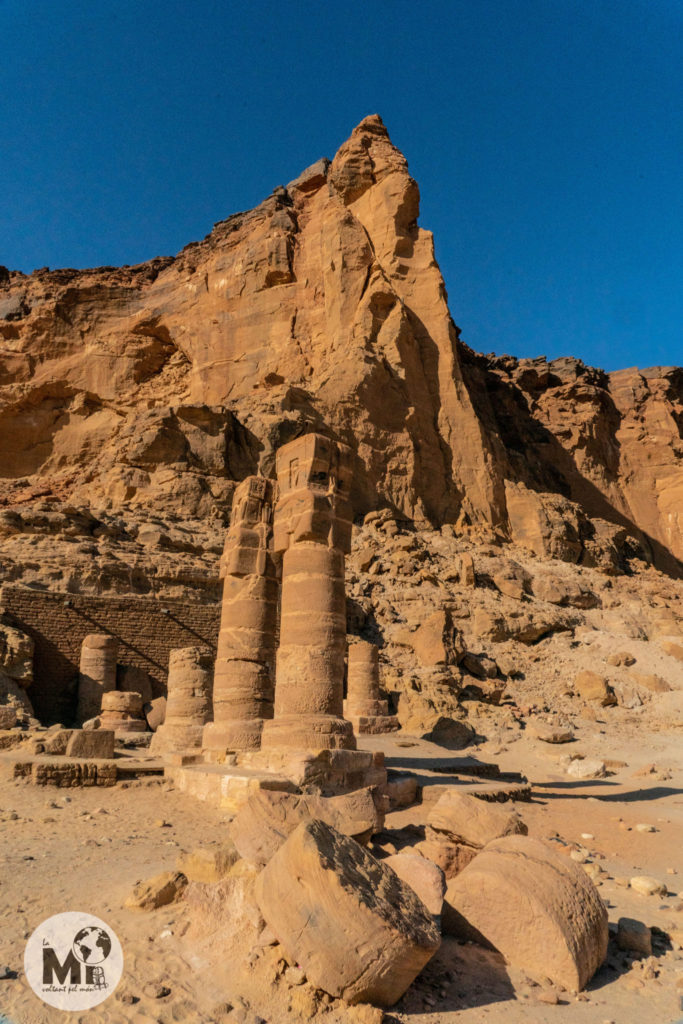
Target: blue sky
(546,136)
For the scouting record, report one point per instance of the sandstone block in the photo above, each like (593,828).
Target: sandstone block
(56,742)
(436,641)
(8,717)
(549,732)
(646,885)
(208,863)
(450,857)
(157,892)
(263,824)
(465,819)
(423,876)
(356,929)
(94,744)
(651,682)
(634,936)
(593,687)
(155,712)
(587,768)
(536,907)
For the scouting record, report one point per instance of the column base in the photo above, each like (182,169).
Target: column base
(221,738)
(308,732)
(170,738)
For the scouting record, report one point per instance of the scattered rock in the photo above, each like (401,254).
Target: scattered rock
(158,891)
(587,768)
(549,732)
(208,863)
(593,687)
(634,936)
(646,885)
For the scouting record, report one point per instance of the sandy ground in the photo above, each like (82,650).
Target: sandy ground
(84,849)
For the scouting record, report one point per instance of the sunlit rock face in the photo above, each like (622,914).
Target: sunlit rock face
(151,391)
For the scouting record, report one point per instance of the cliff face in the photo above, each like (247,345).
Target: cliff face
(151,390)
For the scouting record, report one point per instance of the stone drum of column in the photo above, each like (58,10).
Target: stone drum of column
(245,662)
(312,526)
(363,706)
(188,703)
(122,711)
(97,673)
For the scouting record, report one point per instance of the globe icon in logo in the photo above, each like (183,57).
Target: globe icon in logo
(92,945)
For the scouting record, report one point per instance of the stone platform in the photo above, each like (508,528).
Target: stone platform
(229,784)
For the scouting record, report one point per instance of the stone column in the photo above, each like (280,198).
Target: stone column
(245,662)
(363,706)
(97,673)
(122,711)
(188,702)
(312,527)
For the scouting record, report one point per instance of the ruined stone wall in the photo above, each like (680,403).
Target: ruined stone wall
(147,630)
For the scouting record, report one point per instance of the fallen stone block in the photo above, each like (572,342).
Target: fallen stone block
(268,817)
(155,712)
(587,768)
(646,885)
(208,863)
(465,819)
(401,790)
(634,936)
(354,927)
(57,741)
(98,743)
(422,875)
(592,687)
(157,892)
(549,732)
(536,907)
(450,857)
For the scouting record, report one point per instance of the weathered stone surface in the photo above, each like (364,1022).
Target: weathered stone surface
(450,857)
(97,673)
(436,641)
(312,530)
(587,768)
(465,819)
(647,885)
(208,864)
(85,743)
(539,909)
(593,687)
(155,712)
(157,892)
(16,654)
(357,930)
(634,936)
(423,876)
(122,712)
(549,732)
(188,703)
(244,678)
(266,820)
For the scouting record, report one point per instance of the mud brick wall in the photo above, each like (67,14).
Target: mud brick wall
(147,630)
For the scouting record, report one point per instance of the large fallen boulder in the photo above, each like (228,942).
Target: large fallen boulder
(460,818)
(536,907)
(355,928)
(269,816)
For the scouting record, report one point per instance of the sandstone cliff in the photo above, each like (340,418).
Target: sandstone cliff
(140,395)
